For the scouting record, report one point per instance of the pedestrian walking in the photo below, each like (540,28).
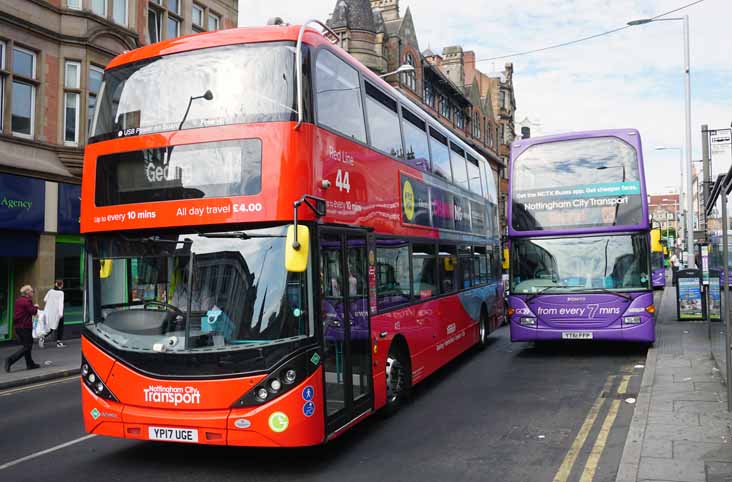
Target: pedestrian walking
(674,268)
(23,312)
(54,310)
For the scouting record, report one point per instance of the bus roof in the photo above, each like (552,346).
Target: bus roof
(629,135)
(217,39)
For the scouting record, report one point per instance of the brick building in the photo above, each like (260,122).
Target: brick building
(664,211)
(478,108)
(52,55)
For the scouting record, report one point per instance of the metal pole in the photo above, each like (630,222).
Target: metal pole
(706,168)
(725,284)
(687,104)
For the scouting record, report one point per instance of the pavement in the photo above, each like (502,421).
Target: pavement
(681,430)
(55,363)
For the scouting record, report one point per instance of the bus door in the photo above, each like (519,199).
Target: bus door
(344,316)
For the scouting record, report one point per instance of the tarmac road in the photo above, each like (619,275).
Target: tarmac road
(514,412)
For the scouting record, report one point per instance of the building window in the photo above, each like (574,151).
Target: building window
(213,21)
(99,7)
(410,78)
(502,98)
(429,94)
(119,12)
(154,25)
(93,84)
(173,28)
(23,97)
(459,118)
(72,80)
(197,18)
(501,132)
(476,125)
(73,4)
(444,107)
(174,6)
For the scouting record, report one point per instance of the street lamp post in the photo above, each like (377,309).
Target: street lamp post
(687,122)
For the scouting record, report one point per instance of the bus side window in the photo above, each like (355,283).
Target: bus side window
(393,287)
(423,271)
(447,268)
(338,96)
(465,274)
(383,120)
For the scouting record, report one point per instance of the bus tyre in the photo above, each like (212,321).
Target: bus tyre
(483,329)
(398,380)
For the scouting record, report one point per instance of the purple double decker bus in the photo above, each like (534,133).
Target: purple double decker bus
(579,239)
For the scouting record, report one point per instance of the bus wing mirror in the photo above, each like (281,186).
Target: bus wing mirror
(296,259)
(105,268)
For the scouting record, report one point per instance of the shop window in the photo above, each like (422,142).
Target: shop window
(69,269)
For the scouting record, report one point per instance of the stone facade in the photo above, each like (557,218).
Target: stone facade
(52,56)
(87,34)
(479,108)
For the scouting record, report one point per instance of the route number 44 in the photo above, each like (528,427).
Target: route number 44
(343,182)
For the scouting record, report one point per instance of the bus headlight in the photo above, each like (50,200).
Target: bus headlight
(281,379)
(632,320)
(275,385)
(94,382)
(290,376)
(527,321)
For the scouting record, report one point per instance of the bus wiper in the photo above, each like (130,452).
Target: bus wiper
(156,239)
(605,290)
(542,291)
(239,235)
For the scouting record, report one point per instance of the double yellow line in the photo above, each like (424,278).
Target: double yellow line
(592,461)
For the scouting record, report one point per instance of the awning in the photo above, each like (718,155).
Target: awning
(17,244)
(32,160)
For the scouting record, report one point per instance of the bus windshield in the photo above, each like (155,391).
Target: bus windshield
(580,183)
(575,264)
(207,87)
(189,292)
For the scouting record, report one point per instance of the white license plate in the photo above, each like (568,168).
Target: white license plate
(173,434)
(576,335)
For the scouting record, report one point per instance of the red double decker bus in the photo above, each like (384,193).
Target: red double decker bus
(278,243)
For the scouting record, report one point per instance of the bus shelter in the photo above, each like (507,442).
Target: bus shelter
(718,211)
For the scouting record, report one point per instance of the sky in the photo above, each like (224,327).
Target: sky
(632,78)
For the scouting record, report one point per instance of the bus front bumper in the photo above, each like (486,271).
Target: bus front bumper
(282,422)
(645,333)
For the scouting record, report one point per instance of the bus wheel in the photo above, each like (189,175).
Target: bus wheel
(483,329)
(397,380)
